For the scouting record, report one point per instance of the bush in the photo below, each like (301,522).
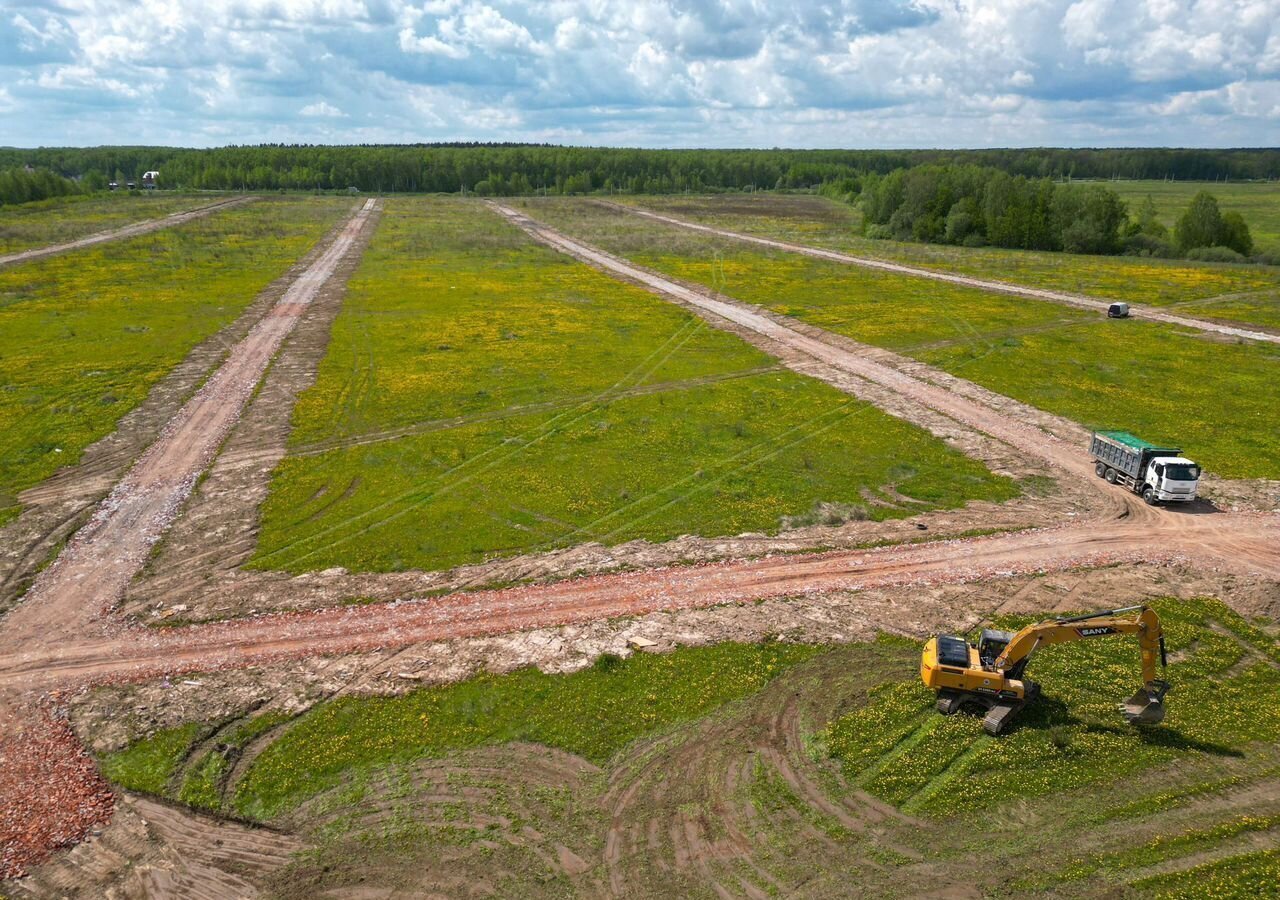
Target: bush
(879,232)
(1148,245)
(1215,254)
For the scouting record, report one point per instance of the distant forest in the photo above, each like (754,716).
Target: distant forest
(506,169)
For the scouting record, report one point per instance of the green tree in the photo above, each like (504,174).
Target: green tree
(1147,223)
(1235,234)
(1200,225)
(1088,220)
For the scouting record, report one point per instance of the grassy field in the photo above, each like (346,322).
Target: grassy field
(67,218)
(84,336)
(693,748)
(483,396)
(1249,294)
(1211,397)
(1258,203)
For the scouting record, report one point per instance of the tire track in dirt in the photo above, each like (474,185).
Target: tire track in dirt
(1003,287)
(92,572)
(127,231)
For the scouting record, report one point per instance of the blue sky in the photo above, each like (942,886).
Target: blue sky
(680,73)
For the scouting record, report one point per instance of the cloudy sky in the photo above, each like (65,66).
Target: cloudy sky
(834,73)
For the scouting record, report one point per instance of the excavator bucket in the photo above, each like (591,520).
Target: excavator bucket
(1146,707)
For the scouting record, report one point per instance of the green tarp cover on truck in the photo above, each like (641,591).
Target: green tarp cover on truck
(1124,437)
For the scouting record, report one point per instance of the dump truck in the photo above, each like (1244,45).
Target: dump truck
(1158,474)
(990,675)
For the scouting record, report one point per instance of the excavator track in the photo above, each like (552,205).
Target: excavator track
(1000,715)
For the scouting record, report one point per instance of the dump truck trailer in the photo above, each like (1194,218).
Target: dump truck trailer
(1158,474)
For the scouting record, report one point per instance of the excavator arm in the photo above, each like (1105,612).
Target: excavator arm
(1146,707)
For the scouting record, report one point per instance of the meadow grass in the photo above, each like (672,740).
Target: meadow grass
(1222,705)
(819,222)
(148,764)
(1257,202)
(1253,874)
(594,713)
(85,335)
(54,221)
(1214,398)
(483,396)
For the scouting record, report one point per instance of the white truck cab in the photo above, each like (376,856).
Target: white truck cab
(1173,478)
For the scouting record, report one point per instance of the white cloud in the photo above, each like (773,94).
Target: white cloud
(322,109)
(731,72)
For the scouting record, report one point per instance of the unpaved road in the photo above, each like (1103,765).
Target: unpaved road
(60,638)
(1004,287)
(126,231)
(1244,544)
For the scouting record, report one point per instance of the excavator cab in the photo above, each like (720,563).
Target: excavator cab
(991,644)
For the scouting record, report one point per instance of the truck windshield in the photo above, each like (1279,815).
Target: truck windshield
(1181,473)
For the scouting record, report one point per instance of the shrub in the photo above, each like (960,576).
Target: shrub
(1147,245)
(1215,254)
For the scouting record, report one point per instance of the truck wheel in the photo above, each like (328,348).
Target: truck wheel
(1100,469)
(1110,476)
(1149,495)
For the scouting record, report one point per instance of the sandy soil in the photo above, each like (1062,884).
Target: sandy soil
(126,231)
(1004,287)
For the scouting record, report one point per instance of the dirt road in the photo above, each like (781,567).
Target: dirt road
(126,231)
(1080,300)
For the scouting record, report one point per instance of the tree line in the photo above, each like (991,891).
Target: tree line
(505,169)
(978,206)
(21,185)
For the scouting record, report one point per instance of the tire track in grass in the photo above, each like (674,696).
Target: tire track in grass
(957,768)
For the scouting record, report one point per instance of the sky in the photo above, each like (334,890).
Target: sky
(649,73)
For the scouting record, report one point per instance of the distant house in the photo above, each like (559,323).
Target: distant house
(149,179)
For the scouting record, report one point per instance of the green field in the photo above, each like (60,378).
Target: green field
(1257,202)
(483,396)
(448,781)
(1234,293)
(1213,398)
(84,335)
(29,225)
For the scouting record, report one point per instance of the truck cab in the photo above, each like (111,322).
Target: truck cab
(1172,478)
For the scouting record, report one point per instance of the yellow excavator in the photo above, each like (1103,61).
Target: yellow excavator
(988,675)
